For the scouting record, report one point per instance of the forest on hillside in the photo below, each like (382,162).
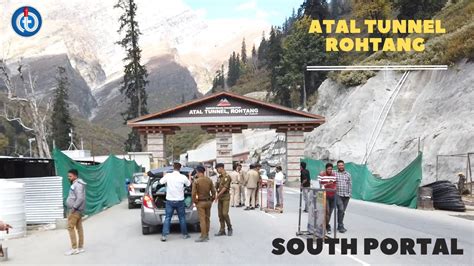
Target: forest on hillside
(278,63)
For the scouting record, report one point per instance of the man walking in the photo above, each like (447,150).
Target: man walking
(175,183)
(327,179)
(76,204)
(223,198)
(235,187)
(251,183)
(344,192)
(203,193)
(305,183)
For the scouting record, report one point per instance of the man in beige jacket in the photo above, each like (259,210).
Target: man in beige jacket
(252,179)
(235,187)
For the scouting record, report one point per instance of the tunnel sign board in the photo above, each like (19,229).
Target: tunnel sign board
(226,107)
(223,107)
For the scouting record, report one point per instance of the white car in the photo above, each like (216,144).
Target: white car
(136,189)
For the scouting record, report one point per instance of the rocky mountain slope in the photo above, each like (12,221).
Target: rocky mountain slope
(44,69)
(87,34)
(169,84)
(433,106)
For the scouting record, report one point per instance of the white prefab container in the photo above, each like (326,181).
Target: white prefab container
(12,208)
(43,199)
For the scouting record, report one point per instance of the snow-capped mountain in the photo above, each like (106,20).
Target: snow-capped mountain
(86,31)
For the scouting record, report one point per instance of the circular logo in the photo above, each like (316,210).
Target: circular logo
(26,21)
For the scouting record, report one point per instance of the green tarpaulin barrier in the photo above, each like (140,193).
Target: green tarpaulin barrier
(105,181)
(401,189)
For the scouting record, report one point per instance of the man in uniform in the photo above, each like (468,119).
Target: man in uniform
(235,187)
(251,183)
(242,187)
(223,200)
(203,193)
(461,182)
(259,184)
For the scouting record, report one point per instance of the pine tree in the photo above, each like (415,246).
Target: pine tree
(61,122)
(316,9)
(418,9)
(234,69)
(300,50)
(262,52)
(135,74)
(243,52)
(254,58)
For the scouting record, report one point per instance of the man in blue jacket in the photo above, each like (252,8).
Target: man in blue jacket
(76,203)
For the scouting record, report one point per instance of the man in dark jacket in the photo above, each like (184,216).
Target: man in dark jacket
(76,203)
(305,183)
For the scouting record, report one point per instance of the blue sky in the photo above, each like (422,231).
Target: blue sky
(273,11)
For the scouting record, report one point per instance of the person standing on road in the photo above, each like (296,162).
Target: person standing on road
(175,183)
(241,182)
(76,204)
(258,167)
(305,183)
(235,187)
(344,193)
(223,200)
(251,183)
(279,180)
(203,193)
(4,227)
(327,179)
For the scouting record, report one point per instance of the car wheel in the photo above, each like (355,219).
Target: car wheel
(146,230)
(131,205)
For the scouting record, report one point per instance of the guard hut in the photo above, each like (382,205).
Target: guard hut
(224,114)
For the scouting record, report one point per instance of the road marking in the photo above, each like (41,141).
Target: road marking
(271,215)
(354,258)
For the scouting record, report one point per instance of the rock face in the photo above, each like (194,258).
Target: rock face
(435,107)
(168,84)
(44,69)
(87,33)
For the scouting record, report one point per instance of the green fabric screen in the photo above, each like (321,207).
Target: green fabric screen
(401,189)
(105,182)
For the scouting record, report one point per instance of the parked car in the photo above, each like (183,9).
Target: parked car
(154,200)
(136,189)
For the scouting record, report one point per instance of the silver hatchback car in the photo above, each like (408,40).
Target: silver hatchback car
(154,200)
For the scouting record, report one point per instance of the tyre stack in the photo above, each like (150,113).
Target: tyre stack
(446,196)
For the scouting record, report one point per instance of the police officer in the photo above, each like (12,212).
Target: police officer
(235,187)
(203,193)
(223,199)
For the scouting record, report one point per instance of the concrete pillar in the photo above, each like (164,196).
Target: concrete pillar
(224,149)
(156,145)
(294,152)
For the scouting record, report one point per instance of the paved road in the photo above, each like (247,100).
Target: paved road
(114,237)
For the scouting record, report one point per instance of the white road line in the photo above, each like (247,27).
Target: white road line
(271,215)
(354,258)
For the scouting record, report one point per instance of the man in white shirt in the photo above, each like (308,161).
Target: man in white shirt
(279,180)
(175,183)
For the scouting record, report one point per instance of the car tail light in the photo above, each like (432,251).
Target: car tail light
(131,188)
(148,202)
